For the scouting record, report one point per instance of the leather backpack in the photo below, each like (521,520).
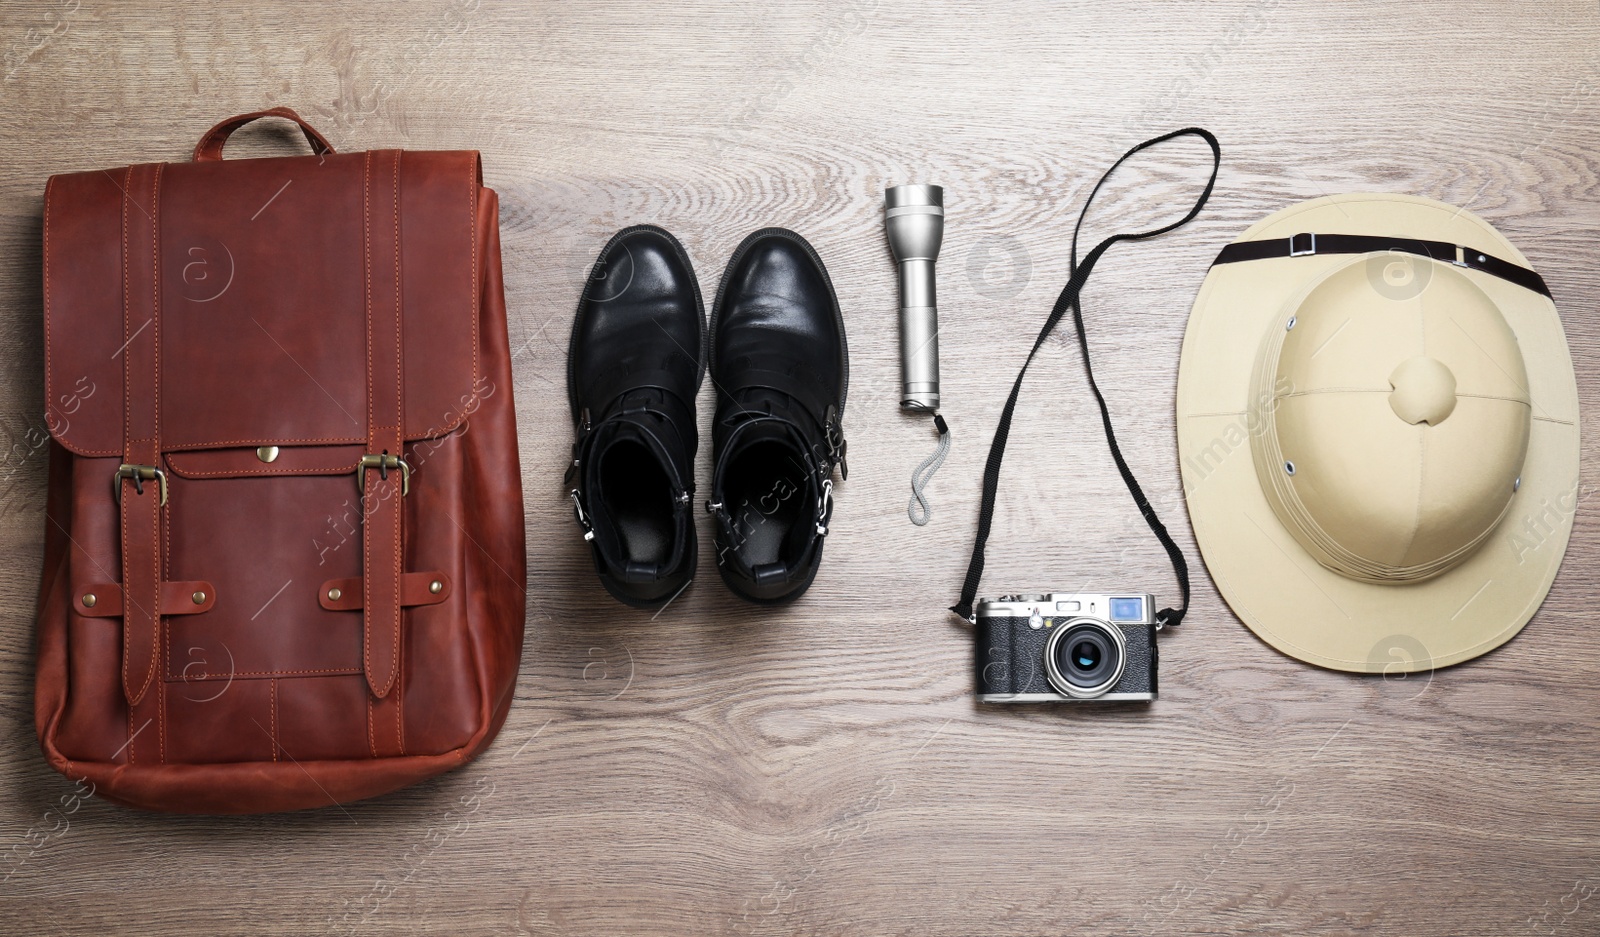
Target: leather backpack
(284,562)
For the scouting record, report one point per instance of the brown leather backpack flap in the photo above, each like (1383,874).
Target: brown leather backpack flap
(261,313)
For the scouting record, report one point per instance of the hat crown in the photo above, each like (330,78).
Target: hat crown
(1395,416)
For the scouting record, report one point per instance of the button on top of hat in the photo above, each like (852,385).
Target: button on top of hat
(1424,390)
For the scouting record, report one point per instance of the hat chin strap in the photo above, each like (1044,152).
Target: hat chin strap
(1068,300)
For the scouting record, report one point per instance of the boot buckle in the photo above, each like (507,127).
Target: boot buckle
(824,507)
(837,445)
(583,519)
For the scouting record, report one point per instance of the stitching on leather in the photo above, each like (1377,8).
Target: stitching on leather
(265,673)
(127,433)
(161,720)
(181,446)
(158,527)
(155,300)
(250,473)
(372,735)
(399,711)
(366,526)
(161,654)
(272,717)
(399,436)
(160,657)
(49,393)
(246,473)
(474,291)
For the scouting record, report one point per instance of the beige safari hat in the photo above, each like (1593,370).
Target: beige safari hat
(1378,431)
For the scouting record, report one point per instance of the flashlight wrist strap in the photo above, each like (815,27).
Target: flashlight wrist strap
(1069,301)
(919,510)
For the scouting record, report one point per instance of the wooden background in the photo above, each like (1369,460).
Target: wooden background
(823,769)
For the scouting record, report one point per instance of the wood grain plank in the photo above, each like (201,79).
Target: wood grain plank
(822,768)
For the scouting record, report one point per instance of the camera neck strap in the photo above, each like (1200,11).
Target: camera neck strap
(1069,300)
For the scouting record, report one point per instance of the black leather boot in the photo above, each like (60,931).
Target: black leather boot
(780,367)
(633,368)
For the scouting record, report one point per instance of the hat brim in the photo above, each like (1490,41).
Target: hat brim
(1277,589)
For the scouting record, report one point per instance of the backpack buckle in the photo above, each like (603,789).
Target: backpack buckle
(383,462)
(139,474)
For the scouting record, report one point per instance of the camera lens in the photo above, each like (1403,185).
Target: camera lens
(1084,655)
(1084,658)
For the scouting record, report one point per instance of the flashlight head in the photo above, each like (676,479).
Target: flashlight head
(914,216)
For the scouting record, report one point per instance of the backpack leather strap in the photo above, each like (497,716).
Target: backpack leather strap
(140,482)
(383,475)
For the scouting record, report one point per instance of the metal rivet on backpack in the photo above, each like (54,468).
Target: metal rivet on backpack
(1516,484)
(199,598)
(1482,259)
(1290,325)
(335,595)
(436,586)
(89,600)
(267,453)
(1288,467)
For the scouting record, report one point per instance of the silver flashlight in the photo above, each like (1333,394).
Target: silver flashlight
(914,218)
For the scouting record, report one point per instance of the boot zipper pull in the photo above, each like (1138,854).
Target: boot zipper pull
(572,469)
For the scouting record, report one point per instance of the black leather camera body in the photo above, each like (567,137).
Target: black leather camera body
(1066,647)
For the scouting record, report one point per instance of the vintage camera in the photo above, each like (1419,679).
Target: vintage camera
(1066,647)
